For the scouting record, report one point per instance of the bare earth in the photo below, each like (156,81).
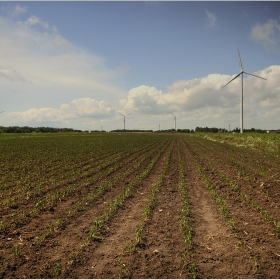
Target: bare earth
(249,250)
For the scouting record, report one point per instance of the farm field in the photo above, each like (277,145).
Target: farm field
(115,205)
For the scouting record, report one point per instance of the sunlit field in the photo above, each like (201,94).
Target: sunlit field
(124,205)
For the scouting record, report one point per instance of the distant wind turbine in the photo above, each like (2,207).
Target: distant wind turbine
(241,73)
(123,119)
(174,121)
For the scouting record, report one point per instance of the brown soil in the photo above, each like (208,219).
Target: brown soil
(250,250)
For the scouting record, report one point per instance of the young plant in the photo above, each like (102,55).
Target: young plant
(128,249)
(2,226)
(138,232)
(16,251)
(58,269)
(72,258)
(91,234)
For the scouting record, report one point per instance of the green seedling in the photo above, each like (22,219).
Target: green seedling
(40,204)
(185,209)
(2,226)
(58,223)
(128,249)
(91,234)
(239,244)
(22,214)
(257,207)
(192,270)
(97,223)
(231,224)
(138,232)
(244,196)
(5,263)
(224,211)
(256,261)
(58,269)
(266,214)
(13,225)
(84,244)
(124,269)
(188,234)
(183,259)
(34,211)
(72,258)
(16,251)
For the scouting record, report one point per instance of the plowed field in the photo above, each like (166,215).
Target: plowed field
(137,206)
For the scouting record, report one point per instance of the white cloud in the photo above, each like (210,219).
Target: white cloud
(33,20)
(204,100)
(268,34)
(181,96)
(211,18)
(83,108)
(40,62)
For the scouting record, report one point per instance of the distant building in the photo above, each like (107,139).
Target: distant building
(273,131)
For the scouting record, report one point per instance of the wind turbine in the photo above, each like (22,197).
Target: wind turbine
(174,121)
(123,119)
(241,73)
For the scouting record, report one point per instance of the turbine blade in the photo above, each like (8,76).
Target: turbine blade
(254,75)
(121,114)
(240,62)
(233,78)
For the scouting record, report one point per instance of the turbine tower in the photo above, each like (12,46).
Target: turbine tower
(241,73)
(123,119)
(174,121)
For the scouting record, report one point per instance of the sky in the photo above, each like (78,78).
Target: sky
(80,64)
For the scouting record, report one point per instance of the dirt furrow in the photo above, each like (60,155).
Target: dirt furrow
(105,262)
(215,251)
(254,234)
(159,253)
(59,246)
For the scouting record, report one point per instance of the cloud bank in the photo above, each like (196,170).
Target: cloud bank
(205,99)
(40,65)
(83,108)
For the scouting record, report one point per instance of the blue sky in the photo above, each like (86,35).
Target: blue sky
(77,64)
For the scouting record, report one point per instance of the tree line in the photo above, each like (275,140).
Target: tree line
(236,130)
(27,129)
(42,129)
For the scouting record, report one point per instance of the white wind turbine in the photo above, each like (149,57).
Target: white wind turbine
(241,104)
(174,121)
(123,119)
